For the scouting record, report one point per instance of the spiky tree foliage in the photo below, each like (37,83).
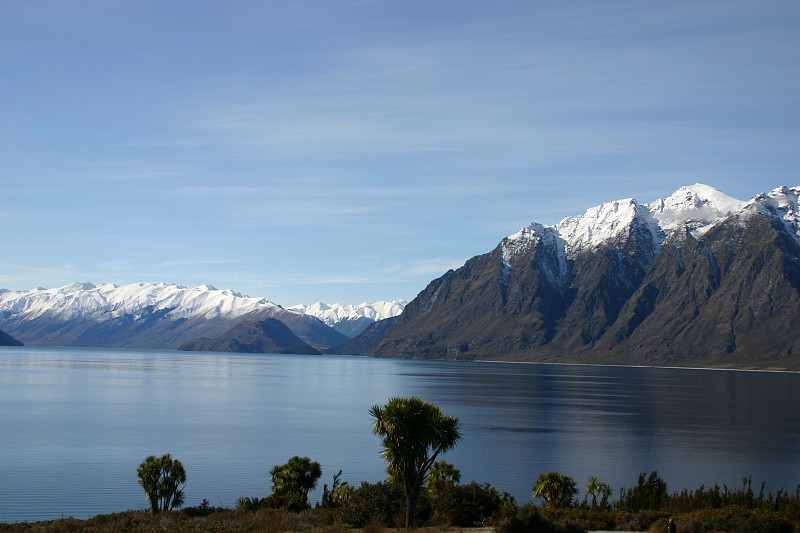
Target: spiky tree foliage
(292,481)
(596,488)
(557,490)
(162,479)
(414,434)
(441,475)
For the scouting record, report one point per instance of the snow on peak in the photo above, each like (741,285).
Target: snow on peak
(515,246)
(103,302)
(783,204)
(334,313)
(692,209)
(598,225)
(75,287)
(697,207)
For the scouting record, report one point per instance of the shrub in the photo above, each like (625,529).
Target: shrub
(650,493)
(204,509)
(381,501)
(528,519)
(338,494)
(729,519)
(587,519)
(467,505)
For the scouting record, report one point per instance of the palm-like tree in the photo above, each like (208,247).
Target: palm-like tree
(597,488)
(414,434)
(557,490)
(162,479)
(293,480)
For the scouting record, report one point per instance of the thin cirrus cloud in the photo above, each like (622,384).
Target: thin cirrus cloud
(198,261)
(274,146)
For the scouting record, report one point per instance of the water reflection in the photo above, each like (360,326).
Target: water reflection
(78,422)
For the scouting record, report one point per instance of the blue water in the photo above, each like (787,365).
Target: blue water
(76,423)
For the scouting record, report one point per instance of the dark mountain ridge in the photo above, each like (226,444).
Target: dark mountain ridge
(8,340)
(719,288)
(269,335)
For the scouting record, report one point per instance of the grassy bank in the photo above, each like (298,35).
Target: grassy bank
(524,519)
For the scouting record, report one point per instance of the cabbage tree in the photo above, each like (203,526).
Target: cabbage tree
(162,479)
(414,434)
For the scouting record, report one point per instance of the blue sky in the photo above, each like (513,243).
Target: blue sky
(350,151)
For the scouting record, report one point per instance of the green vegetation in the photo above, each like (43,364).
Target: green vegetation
(414,433)
(557,490)
(292,481)
(596,488)
(441,501)
(162,478)
(442,476)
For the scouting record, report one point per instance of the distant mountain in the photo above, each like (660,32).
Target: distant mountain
(351,320)
(365,343)
(143,315)
(8,340)
(698,278)
(263,336)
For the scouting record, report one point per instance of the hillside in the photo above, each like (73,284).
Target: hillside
(143,315)
(262,336)
(696,279)
(8,340)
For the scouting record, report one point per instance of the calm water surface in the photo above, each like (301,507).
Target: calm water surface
(76,423)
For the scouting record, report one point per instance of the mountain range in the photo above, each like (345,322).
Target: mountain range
(695,279)
(161,315)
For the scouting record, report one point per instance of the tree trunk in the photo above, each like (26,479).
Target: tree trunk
(411,502)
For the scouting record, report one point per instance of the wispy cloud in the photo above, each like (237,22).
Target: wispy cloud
(198,261)
(17,277)
(428,268)
(334,144)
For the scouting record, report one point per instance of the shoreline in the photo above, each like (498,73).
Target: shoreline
(616,365)
(596,365)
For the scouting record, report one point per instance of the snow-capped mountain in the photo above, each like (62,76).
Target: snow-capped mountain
(696,275)
(690,210)
(142,315)
(351,319)
(109,301)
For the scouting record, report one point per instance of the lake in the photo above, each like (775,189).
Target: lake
(75,423)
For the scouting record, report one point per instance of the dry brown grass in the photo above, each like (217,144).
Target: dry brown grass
(224,521)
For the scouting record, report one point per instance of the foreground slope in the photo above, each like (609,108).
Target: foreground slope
(698,278)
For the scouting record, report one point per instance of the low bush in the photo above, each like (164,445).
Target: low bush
(729,519)
(382,501)
(473,504)
(587,519)
(529,518)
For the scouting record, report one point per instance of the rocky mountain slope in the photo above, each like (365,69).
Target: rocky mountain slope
(365,343)
(143,315)
(8,340)
(263,336)
(698,278)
